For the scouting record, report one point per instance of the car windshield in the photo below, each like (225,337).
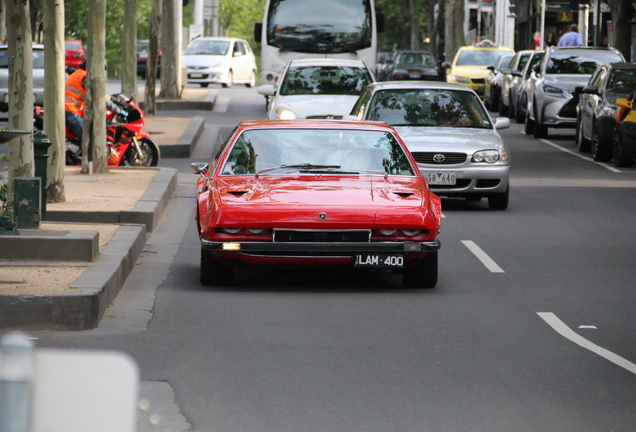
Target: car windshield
(479,57)
(38,58)
(536,59)
(72,45)
(209,47)
(316,151)
(326,26)
(622,82)
(428,107)
(415,58)
(505,62)
(325,80)
(143,46)
(579,62)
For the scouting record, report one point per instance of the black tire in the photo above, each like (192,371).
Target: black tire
(529,127)
(520,116)
(213,273)
(602,138)
(582,144)
(499,201)
(624,151)
(424,275)
(503,111)
(495,104)
(150,157)
(540,130)
(252,82)
(204,85)
(230,79)
(512,108)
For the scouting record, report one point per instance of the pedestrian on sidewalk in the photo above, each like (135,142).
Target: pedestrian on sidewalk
(572,38)
(550,41)
(537,43)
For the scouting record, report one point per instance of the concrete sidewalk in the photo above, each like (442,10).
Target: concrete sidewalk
(91,294)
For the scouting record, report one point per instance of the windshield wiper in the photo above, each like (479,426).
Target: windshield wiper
(305,166)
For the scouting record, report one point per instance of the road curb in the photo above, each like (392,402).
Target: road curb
(147,211)
(94,290)
(187,142)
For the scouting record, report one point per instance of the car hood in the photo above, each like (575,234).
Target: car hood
(470,71)
(567,82)
(301,191)
(195,60)
(317,105)
(460,139)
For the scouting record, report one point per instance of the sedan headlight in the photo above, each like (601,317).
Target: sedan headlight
(285,114)
(552,91)
(487,156)
(459,79)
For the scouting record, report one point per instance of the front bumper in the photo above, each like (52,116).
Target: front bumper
(481,180)
(212,76)
(309,249)
(559,112)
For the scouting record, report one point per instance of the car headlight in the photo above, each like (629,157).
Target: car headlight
(487,156)
(410,233)
(459,79)
(553,91)
(285,114)
(232,230)
(256,230)
(388,232)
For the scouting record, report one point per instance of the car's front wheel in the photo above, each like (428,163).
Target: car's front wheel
(540,130)
(230,79)
(423,275)
(213,273)
(252,81)
(624,151)
(529,126)
(602,136)
(499,201)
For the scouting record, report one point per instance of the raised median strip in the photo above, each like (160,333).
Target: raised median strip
(188,141)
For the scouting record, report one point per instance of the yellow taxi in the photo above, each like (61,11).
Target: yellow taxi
(470,65)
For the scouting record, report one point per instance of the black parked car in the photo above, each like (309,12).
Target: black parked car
(413,65)
(492,90)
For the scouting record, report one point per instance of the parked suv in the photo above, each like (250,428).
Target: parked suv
(552,100)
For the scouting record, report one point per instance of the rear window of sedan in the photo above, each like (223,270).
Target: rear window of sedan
(38,58)
(428,107)
(583,62)
(622,81)
(415,58)
(479,57)
(317,151)
(325,80)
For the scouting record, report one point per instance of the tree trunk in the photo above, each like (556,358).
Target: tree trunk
(151,62)
(129,50)
(53,19)
(622,12)
(3,20)
(94,156)
(169,87)
(454,27)
(432,25)
(21,100)
(414,7)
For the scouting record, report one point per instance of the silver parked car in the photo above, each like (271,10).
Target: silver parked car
(597,100)
(449,133)
(38,76)
(522,88)
(510,83)
(552,100)
(492,89)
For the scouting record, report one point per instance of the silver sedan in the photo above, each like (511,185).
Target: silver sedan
(38,76)
(449,133)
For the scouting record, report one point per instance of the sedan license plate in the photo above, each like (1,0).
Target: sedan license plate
(379,261)
(440,178)
(196,75)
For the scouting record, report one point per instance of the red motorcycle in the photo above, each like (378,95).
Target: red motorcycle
(126,143)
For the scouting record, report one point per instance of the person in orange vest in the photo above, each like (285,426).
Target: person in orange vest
(75,99)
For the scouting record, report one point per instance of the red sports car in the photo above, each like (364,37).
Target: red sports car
(74,54)
(310,193)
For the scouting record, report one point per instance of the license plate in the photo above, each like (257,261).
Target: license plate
(440,178)
(379,261)
(414,75)
(196,75)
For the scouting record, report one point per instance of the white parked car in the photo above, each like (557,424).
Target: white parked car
(220,60)
(38,76)
(449,133)
(317,88)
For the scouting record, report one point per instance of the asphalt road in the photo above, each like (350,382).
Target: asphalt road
(531,327)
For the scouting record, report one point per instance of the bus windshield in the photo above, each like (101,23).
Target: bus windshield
(325,27)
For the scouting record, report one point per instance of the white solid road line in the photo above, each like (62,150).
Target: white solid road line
(568,333)
(589,159)
(482,256)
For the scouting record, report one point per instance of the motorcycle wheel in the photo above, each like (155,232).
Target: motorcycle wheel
(149,158)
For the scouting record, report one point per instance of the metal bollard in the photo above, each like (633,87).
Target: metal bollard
(41,145)
(16,382)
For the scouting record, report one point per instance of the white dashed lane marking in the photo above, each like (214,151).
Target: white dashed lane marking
(482,256)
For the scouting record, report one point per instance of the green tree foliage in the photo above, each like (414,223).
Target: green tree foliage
(397,18)
(237,18)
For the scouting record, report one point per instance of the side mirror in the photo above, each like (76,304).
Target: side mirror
(516,73)
(199,168)
(491,68)
(237,54)
(389,61)
(446,65)
(502,123)
(350,117)
(590,89)
(267,90)
(623,103)
(578,89)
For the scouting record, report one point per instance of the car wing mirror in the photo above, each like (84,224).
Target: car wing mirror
(516,73)
(623,103)
(537,69)
(200,168)
(350,117)
(502,123)
(446,65)
(266,90)
(491,68)
(590,89)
